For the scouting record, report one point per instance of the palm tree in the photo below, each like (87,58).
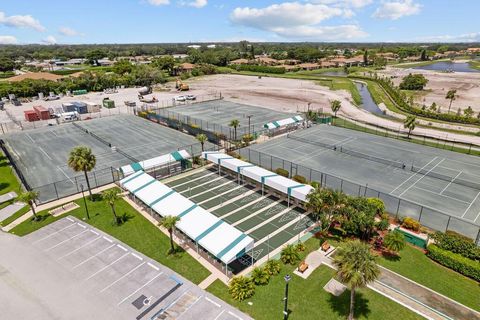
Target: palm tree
(202,138)
(260,276)
(356,267)
(241,288)
(169,223)
(82,159)
(29,197)
(409,124)
(394,241)
(451,94)
(111,196)
(311,115)
(335,105)
(234,124)
(289,254)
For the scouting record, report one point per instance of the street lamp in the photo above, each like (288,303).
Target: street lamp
(287,279)
(85,202)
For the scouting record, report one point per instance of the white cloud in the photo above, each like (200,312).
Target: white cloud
(69,32)
(17,21)
(49,40)
(345,3)
(466,37)
(394,10)
(297,20)
(8,40)
(194,3)
(159,2)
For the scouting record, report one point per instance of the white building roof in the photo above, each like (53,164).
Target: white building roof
(155,162)
(283,122)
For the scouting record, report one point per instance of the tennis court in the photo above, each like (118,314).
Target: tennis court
(41,154)
(438,180)
(216,115)
(267,219)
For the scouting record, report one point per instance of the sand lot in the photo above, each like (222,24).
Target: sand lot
(466,84)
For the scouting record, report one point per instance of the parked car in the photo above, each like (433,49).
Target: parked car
(180,98)
(190,97)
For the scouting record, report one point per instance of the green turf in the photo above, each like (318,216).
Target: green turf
(137,232)
(415,265)
(308,300)
(239,203)
(188,178)
(342,84)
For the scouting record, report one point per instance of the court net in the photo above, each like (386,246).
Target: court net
(342,149)
(454,179)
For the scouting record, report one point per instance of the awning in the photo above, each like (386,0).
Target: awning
(283,122)
(155,162)
(222,240)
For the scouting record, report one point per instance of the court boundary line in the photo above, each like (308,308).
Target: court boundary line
(416,173)
(465,212)
(421,178)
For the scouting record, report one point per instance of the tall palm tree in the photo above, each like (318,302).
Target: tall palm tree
(82,159)
(169,223)
(202,138)
(409,124)
(29,197)
(356,268)
(451,94)
(311,115)
(234,124)
(335,105)
(111,196)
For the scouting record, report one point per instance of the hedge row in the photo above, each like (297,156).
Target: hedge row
(465,266)
(457,243)
(255,68)
(404,106)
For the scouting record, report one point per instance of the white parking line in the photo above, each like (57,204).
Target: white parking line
(212,302)
(109,240)
(412,176)
(423,176)
(107,266)
(448,185)
(154,267)
(219,315)
(121,247)
(52,234)
(86,244)
(126,274)
(62,242)
(46,154)
(90,258)
(234,315)
(189,307)
(148,282)
(463,215)
(137,256)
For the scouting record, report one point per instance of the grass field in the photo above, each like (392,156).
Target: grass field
(9,183)
(308,300)
(137,232)
(342,84)
(415,265)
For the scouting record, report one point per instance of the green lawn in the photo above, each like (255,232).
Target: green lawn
(137,232)
(415,265)
(342,84)
(308,300)
(9,183)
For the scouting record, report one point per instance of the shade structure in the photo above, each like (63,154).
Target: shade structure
(266,177)
(283,122)
(160,161)
(222,240)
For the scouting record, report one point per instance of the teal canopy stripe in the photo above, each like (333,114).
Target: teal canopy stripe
(265,177)
(176,155)
(231,245)
(295,119)
(220,159)
(275,123)
(161,198)
(209,152)
(265,125)
(289,189)
(206,232)
(187,211)
(136,166)
(245,166)
(144,186)
(133,177)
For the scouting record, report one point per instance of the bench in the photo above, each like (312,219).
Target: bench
(325,246)
(302,267)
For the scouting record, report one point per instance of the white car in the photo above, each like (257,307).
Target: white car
(191,97)
(180,98)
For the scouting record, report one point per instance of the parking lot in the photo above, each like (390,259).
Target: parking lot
(125,281)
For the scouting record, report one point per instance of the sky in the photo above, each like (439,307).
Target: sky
(160,21)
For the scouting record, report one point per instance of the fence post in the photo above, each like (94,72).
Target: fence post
(448,223)
(56,192)
(477,240)
(398,208)
(420,216)
(310,179)
(95,178)
(341,185)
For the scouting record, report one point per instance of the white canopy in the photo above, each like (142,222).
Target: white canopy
(268,178)
(155,162)
(283,122)
(215,235)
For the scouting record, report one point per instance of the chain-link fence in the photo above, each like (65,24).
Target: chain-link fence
(395,206)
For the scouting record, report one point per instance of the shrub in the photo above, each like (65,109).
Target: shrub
(383,224)
(260,276)
(315,184)
(394,241)
(241,288)
(282,172)
(454,261)
(413,82)
(255,68)
(457,243)
(289,255)
(377,204)
(273,267)
(300,247)
(300,179)
(410,223)
(142,114)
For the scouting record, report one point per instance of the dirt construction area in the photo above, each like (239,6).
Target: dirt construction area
(467,85)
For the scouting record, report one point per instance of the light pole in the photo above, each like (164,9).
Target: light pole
(249,116)
(85,202)
(287,279)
